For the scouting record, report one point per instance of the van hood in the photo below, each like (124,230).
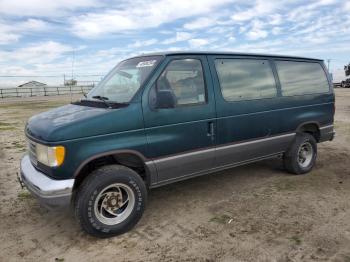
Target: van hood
(77,121)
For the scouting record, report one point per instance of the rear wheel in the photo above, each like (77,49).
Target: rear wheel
(301,156)
(110,201)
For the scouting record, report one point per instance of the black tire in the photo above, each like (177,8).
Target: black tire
(291,158)
(94,185)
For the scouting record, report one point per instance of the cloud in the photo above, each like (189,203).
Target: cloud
(134,16)
(33,25)
(143,43)
(36,53)
(43,8)
(275,19)
(256,31)
(56,59)
(256,34)
(276,30)
(200,23)
(179,37)
(199,42)
(347,6)
(231,38)
(259,8)
(11,32)
(305,12)
(7,37)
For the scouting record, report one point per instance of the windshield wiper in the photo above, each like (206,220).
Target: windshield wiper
(104,100)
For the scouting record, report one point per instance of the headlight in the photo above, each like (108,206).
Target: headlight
(50,156)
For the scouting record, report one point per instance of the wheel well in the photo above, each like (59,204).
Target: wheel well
(129,160)
(312,129)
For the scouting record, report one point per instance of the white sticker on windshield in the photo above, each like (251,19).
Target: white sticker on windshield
(146,63)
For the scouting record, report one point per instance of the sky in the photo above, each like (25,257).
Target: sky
(89,37)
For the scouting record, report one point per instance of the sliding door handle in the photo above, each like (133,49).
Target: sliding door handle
(211,132)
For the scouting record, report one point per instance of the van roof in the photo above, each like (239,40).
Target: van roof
(169,53)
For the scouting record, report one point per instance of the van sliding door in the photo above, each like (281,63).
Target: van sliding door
(247,99)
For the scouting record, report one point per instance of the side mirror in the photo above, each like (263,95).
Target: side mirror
(165,99)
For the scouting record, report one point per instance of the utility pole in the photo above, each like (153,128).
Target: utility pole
(73,64)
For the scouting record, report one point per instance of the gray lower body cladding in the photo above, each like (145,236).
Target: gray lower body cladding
(204,161)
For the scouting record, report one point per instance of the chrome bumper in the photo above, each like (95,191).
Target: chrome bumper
(50,192)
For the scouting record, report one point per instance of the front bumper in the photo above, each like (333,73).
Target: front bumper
(50,192)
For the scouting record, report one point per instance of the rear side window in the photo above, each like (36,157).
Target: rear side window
(245,79)
(299,78)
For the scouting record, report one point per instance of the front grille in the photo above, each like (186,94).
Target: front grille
(32,152)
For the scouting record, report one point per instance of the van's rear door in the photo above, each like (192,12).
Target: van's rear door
(247,103)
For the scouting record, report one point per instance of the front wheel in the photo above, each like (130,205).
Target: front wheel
(301,156)
(110,201)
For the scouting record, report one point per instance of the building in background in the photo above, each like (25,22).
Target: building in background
(32,84)
(70,82)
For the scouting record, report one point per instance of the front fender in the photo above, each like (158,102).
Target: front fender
(80,151)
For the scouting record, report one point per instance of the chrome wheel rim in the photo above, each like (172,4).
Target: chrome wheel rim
(114,204)
(305,154)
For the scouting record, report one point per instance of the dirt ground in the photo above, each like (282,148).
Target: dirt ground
(252,213)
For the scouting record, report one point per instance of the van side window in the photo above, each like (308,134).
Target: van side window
(184,78)
(299,78)
(245,79)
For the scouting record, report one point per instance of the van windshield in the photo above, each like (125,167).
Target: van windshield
(122,83)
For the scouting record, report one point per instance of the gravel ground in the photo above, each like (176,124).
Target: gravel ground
(256,212)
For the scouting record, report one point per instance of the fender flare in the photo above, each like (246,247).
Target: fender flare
(148,164)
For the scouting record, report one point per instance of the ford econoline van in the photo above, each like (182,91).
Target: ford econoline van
(159,118)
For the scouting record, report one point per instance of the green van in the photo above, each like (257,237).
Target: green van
(159,118)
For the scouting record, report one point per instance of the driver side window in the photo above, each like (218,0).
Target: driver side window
(183,82)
